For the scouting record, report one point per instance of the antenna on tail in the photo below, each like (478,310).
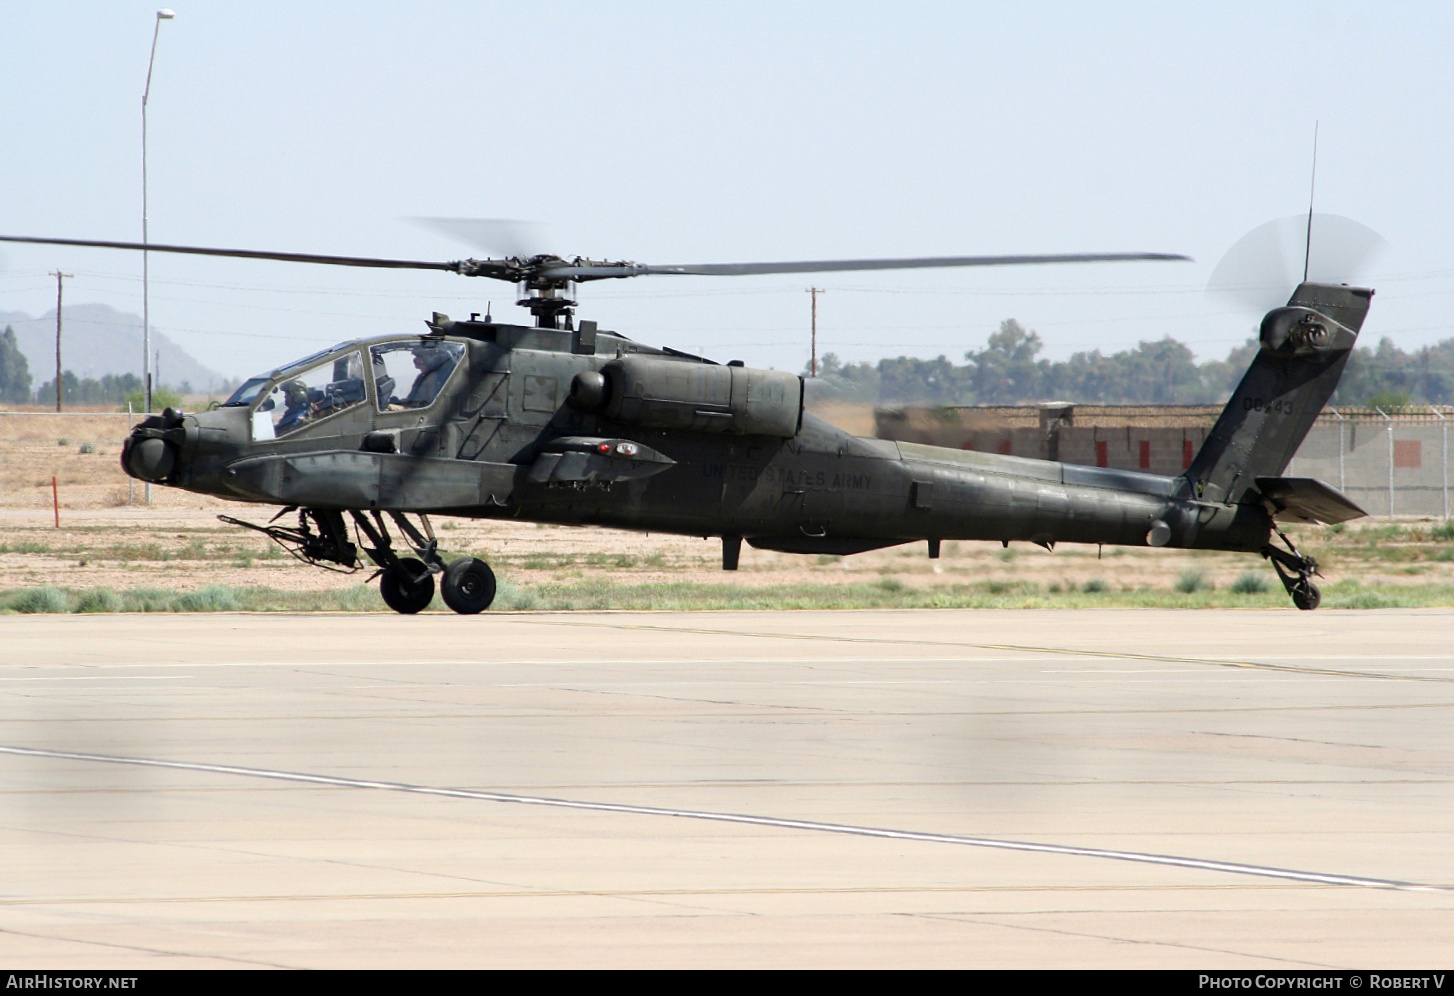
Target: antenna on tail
(1312,190)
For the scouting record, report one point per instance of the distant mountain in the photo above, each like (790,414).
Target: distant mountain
(96,340)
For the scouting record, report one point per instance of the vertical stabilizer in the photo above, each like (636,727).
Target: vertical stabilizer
(1305,346)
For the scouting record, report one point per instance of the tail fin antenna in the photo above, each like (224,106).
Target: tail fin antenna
(1312,192)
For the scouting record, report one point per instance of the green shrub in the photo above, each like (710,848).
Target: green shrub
(212,598)
(148,600)
(510,597)
(1371,599)
(33,600)
(88,447)
(1192,580)
(1250,583)
(1443,531)
(99,600)
(1094,586)
(360,598)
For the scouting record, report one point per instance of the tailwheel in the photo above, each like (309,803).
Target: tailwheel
(468,586)
(1306,596)
(1295,570)
(407,586)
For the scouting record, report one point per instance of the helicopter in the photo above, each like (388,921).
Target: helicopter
(563,422)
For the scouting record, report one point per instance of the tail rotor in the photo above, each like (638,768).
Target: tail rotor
(1263,266)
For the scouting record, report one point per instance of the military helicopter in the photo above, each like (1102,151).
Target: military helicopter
(565,422)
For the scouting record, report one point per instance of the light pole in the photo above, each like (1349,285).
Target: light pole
(162,15)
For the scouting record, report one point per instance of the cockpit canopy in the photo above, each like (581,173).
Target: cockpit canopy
(424,365)
(406,373)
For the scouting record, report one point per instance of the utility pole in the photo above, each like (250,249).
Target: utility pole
(813,362)
(162,15)
(59,277)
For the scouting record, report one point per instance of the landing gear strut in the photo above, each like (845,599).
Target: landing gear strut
(1296,571)
(406,583)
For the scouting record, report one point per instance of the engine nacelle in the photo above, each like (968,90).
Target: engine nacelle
(703,397)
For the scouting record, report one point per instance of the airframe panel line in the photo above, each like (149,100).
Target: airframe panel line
(1068,651)
(1228,867)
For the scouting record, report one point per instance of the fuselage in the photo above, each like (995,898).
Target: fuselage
(489,444)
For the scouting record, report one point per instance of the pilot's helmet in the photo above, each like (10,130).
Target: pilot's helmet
(430,358)
(295,392)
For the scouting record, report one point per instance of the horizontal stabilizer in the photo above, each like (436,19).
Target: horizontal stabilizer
(1303,499)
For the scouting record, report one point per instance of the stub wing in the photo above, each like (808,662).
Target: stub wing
(1304,499)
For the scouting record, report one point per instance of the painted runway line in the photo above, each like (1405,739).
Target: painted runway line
(1176,861)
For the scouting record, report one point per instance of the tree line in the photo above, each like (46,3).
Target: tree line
(1010,371)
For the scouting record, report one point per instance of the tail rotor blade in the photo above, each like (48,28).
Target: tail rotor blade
(1342,249)
(1261,269)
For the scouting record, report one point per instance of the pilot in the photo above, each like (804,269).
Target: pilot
(434,369)
(295,396)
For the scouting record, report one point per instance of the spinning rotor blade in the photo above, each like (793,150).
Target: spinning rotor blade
(287,257)
(553,268)
(1263,266)
(600,271)
(496,236)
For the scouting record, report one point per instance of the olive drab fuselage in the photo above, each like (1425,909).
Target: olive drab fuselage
(504,439)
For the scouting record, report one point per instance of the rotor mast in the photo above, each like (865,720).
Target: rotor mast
(552,300)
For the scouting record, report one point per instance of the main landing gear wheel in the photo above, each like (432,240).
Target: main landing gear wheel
(468,586)
(407,586)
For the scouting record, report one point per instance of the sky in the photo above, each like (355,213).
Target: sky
(673,133)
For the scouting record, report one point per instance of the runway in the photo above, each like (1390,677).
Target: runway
(1112,788)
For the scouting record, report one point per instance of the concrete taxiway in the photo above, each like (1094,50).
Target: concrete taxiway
(924,788)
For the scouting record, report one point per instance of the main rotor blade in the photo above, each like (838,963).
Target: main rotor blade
(495,236)
(287,257)
(602,271)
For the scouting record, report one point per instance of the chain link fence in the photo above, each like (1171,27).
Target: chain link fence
(1389,463)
